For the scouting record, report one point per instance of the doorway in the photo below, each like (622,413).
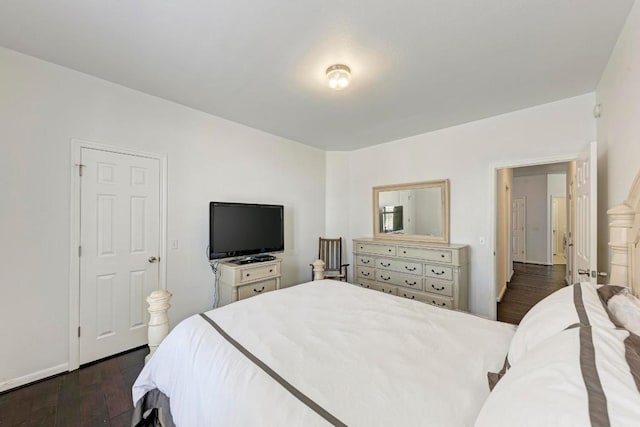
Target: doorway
(559,229)
(118,214)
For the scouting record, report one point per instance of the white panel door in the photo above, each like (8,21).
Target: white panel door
(586,237)
(518,229)
(119,237)
(559,224)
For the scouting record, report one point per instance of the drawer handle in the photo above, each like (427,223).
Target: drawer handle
(443,304)
(364,286)
(389,291)
(441,255)
(271,271)
(365,261)
(258,291)
(389,250)
(436,273)
(248,274)
(410,283)
(438,289)
(361,247)
(384,265)
(406,296)
(385,278)
(404,252)
(365,274)
(410,269)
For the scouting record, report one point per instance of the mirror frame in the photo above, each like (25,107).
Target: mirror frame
(443,184)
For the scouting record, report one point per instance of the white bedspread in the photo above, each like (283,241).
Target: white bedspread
(366,357)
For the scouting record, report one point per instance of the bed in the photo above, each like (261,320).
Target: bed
(328,353)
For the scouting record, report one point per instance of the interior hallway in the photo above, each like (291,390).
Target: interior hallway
(530,284)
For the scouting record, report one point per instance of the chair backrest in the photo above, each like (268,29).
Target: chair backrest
(330,251)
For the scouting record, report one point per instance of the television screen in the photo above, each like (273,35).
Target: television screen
(237,229)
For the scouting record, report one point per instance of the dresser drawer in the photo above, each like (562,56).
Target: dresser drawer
(250,274)
(364,283)
(439,255)
(383,287)
(408,294)
(438,272)
(364,261)
(376,249)
(400,279)
(399,265)
(440,302)
(250,290)
(440,287)
(365,272)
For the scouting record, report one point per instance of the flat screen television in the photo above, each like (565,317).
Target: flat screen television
(240,229)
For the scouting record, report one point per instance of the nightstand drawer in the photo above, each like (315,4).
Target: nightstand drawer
(438,272)
(399,265)
(440,302)
(365,261)
(376,249)
(441,287)
(439,255)
(399,279)
(383,287)
(251,290)
(365,272)
(249,274)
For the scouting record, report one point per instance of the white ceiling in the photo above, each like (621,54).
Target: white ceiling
(417,65)
(546,169)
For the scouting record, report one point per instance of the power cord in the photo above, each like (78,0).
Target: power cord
(215,267)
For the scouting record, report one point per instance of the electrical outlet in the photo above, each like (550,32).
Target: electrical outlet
(174,244)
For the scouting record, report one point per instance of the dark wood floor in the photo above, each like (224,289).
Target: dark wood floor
(95,395)
(529,284)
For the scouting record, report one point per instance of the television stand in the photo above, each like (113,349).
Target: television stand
(238,281)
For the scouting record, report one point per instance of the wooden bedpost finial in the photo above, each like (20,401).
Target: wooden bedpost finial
(158,327)
(318,269)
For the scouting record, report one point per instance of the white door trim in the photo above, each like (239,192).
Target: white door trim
(493,171)
(76,147)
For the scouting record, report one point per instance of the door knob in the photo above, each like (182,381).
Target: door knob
(584,272)
(153,259)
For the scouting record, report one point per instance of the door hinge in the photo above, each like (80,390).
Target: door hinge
(79,250)
(80,168)
(78,331)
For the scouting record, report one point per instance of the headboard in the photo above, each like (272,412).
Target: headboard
(624,240)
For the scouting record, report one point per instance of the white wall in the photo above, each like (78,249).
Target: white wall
(619,126)
(465,154)
(44,106)
(534,189)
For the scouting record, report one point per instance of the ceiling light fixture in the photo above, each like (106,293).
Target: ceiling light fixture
(339,76)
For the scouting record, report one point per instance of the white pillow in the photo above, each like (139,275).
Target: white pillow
(576,304)
(625,309)
(548,387)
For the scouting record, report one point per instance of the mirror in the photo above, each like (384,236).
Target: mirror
(413,212)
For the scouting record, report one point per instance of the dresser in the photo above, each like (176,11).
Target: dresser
(237,282)
(435,274)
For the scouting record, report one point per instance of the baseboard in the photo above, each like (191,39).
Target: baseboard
(34,376)
(511,275)
(501,293)
(537,263)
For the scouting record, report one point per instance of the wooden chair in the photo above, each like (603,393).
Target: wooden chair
(330,251)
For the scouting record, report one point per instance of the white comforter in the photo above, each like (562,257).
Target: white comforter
(366,357)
